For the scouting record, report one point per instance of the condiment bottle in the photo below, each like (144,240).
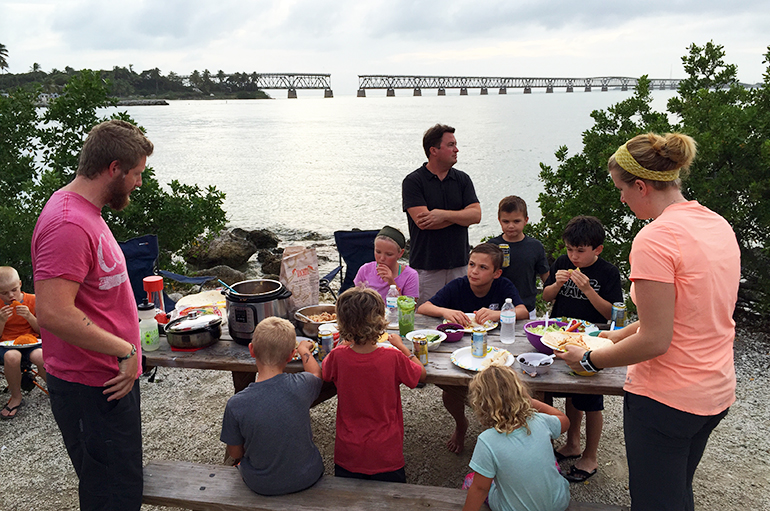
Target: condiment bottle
(148,327)
(154,287)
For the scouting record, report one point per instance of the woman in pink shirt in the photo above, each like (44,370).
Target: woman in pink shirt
(685,270)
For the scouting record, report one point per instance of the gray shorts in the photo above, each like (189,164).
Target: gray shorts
(431,281)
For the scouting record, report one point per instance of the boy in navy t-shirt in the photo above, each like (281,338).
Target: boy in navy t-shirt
(483,291)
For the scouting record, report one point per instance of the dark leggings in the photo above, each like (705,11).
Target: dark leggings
(396,476)
(104,441)
(663,446)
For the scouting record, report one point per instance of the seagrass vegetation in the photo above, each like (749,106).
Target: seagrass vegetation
(731,174)
(39,151)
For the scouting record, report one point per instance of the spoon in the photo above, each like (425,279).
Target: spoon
(228,287)
(543,362)
(546,320)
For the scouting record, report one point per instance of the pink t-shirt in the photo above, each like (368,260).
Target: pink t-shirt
(71,241)
(408,280)
(695,249)
(370,423)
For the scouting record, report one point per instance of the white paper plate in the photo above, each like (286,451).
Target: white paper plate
(10,344)
(314,352)
(489,325)
(593,343)
(463,358)
(431,345)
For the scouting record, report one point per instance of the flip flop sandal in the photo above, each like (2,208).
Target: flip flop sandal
(577,475)
(561,457)
(11,411)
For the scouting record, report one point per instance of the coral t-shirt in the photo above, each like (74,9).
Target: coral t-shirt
(370,423)
(694,249)
(71,241)
(17,325)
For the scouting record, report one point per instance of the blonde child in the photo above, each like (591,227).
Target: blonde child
(267,425)
(513,460)
(369,441)
(17,319)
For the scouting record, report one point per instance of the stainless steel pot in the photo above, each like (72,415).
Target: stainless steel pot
(194,331)
(251,301)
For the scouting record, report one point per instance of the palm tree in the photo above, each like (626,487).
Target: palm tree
(3,57)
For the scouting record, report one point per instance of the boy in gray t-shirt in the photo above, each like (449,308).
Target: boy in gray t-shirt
(267,425)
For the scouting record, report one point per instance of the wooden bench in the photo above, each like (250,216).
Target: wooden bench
(218,487)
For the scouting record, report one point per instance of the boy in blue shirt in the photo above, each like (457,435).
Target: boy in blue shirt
(527,258)
(483,291)
(267,425)
(584,286)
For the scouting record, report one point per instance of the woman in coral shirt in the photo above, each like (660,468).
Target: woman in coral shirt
(685,269)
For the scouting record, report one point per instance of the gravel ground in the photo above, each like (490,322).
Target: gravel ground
(182,411)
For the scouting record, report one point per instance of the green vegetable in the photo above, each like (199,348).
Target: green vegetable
(431,337)
(540,330)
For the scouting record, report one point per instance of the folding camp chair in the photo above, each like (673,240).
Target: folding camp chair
(141,255)
(355,248)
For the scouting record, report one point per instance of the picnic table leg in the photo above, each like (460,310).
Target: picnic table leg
(242,379)
(545,397)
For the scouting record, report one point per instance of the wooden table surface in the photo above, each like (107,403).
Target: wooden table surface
(227,355)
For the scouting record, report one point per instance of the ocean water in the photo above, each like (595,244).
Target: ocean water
(319,164)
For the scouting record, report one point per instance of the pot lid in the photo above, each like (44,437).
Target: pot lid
(193,321)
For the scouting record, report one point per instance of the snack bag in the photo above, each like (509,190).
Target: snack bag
(299,273)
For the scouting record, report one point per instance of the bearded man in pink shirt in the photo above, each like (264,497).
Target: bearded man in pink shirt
(88,319)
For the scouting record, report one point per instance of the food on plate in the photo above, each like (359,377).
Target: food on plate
(540,330)
(432,337)
(324,316)
(498,359)
(25,339)
(559,340)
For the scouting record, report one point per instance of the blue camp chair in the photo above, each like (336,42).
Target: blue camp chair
(355,249)
(141,255)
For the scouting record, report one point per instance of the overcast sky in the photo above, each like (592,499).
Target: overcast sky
(559,38)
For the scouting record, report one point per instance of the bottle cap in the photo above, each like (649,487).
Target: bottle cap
(146,306)
(153,283)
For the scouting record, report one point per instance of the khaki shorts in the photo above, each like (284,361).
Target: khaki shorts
(431,281)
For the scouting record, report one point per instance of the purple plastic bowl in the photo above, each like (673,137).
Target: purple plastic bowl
(534,339)
(451,336)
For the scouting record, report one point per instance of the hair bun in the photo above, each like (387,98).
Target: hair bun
(677,147)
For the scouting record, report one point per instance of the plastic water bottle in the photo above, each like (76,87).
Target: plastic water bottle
(392,304)
(148,327)
(507,322)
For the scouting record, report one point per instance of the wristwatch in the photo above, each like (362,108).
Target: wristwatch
(133,352)
(586,364)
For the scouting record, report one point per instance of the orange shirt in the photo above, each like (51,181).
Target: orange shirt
(694,249)
(16,325)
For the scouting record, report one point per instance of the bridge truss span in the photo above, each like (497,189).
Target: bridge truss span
(392,82)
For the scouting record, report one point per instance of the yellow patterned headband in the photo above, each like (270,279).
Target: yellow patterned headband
(630,165)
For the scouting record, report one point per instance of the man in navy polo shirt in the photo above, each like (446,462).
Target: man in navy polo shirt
(440,203)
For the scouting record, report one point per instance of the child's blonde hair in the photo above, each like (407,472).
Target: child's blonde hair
(8,276)
(500,400)
(273,340)
(361,315)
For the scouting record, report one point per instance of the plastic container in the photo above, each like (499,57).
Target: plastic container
(508,322)
(148,327)
(392,307)
(405,314)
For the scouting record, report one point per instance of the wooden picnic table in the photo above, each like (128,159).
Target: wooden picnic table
(227,355)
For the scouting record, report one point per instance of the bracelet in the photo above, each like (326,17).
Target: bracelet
(133,352)
(586,364)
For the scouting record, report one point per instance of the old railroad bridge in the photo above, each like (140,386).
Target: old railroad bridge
(392,82)
(294,81)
